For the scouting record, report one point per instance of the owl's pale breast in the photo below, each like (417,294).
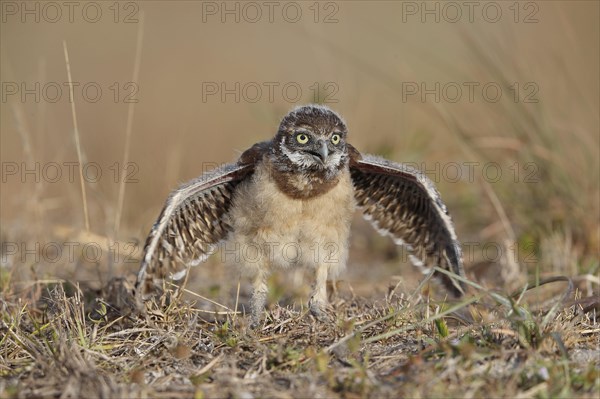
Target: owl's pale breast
(289,231)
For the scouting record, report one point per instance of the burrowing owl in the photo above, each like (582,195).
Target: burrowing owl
(291,199)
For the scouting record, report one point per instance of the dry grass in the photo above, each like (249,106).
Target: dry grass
(59,340)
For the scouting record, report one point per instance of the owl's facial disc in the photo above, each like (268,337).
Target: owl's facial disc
(313,139)
(308,150)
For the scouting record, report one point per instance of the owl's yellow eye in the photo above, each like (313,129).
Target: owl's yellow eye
(335,139)
(302,138)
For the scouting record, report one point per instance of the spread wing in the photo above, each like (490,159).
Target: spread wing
(403,203)
(192,222)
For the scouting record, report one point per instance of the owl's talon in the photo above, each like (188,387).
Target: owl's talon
(254,324)
(321,311)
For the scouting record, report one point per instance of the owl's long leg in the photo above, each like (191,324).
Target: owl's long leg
(259,296)
(318,299)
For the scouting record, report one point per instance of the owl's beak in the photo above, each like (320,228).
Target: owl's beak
(323,150)
(319,151)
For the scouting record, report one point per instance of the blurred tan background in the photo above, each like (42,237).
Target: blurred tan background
(362,58)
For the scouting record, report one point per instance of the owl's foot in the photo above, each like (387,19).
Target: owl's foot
(255,321)
(321,311)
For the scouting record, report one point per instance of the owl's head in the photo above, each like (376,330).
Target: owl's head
(313,138)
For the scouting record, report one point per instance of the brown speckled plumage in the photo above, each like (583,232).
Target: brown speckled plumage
(189,225)
(403,203)
(300,188)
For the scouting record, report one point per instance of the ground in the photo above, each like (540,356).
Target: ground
(65,341)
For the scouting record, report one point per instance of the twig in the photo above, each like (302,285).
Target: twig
(203,297)
(208,366)
(237,299)
(77,142)
(129,128)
